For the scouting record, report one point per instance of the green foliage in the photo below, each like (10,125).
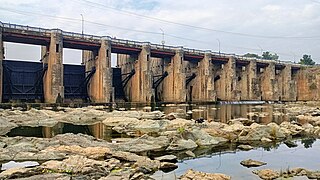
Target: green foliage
(251,55)
(307,60)
(180,130)
(269,56)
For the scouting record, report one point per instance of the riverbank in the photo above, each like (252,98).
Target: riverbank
(147,135)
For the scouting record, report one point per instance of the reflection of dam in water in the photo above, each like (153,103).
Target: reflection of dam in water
(262,114)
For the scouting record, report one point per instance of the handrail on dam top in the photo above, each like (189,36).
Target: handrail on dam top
(132,43)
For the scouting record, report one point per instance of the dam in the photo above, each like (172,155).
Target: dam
(145,72)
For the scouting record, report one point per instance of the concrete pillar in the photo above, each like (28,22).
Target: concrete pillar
(174,85)
(268,83)
(308,84)
(229,81)
(204,81)
(1,59)
(253,90)
(53,79)
(288,85)
(141,86)
(100,85)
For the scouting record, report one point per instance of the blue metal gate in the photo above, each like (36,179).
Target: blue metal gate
(74,77)
(22,81)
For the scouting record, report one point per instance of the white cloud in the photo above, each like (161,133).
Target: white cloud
(268,18)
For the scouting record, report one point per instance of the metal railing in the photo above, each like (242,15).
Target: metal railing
(132,43)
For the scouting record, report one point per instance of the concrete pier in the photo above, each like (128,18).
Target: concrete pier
(53,79)
(100,85)
(1,59)
(203,89)
(228,82)
(174,86)
(141,84)
(268,82)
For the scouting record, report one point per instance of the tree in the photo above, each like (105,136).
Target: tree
(307,60)
(269,56)
(250,55)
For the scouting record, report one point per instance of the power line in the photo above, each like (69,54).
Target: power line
(98,5)
(122,28)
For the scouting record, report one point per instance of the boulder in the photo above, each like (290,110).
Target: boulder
(81,165)
(252,163)
(178,144)
(167,158)
(191,174)
(255,133)
(190,153)
(168,166)
(244,121)
(267,174)
(245,147)
(6,126)
(293,128)
(143,144)
(120,121)
(202,138)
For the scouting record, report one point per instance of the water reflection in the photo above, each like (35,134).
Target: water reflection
(99,131)
(278,157)
(262,114)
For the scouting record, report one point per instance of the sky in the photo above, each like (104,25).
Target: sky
(289,28)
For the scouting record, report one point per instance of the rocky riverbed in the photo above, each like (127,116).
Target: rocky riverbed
(148,135)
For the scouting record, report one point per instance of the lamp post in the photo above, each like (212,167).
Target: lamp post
(162,42)
(82,23)
(219,45)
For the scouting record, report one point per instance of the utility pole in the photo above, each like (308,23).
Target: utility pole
(219,45)
(82,24)
(162,42)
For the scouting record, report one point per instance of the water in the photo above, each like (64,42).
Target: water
(262,114)
(223,160)
(280,157)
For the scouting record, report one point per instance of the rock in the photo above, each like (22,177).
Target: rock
(81,165)
(290,144)
(56,176)
(244,121)
(190,153)
(267,174)
(154,115)
(313,174)
(178,123)
(171,116)
(266,140)
(276,133)
(202,138)
(120,121)
(255,133)
(293,128)
(6,126)
(178,144)
(245,147)
(167,158)
(252,163)
(90,152)
(143,144)
(167,166)
(17,173)
(148,126)
(13,164)
(191,174)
